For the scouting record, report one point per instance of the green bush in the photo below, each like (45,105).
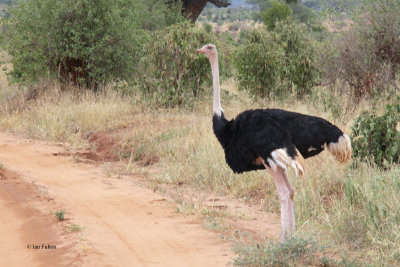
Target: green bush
(173,73)
(378,137)
(81,41)
(300,68)
(258,63)
(60,215)
(278,62)
(276,12)
(208,27)
(303,13)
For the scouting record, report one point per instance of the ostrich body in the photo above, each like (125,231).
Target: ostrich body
(275,140)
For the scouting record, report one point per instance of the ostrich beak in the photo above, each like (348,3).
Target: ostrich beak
(202,50)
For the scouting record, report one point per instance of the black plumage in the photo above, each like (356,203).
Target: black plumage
(257,133)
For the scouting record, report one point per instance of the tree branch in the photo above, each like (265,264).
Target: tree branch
(193,8)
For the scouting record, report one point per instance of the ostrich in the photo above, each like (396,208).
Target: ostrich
(275,140)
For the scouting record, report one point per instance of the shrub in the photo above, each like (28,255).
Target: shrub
(278,61)
(60,215)
(234,26)
(378,137)
(173,73)
(302,13)
(72,40)
(276,12)
(208,27)
(85,42)
(366,57)
(258,63)
(300,67)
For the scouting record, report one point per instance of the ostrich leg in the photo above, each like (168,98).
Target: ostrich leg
(292,223)
(285,194)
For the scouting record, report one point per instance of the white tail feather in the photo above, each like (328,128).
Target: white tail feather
(341,149)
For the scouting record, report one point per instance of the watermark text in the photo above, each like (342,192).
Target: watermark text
(41,246)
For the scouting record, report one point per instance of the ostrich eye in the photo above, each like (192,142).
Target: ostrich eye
(209,48)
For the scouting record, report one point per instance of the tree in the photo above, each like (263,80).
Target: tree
(172,72)
(366,57)
(77,41)
(278,62)
(192,8)
(258,63)
(303,13)
(264,5)
(277,12)
(300,67)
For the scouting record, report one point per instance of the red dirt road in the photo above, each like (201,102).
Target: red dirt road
(124,224)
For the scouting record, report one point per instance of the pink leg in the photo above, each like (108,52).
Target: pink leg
(292,223)
(285,194)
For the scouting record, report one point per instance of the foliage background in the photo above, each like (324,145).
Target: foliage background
(76,41)
(279,62)
(172,72)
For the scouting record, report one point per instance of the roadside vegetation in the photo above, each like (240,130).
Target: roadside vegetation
(154,87)
(60,215)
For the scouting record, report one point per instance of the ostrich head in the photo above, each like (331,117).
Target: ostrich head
(209,50)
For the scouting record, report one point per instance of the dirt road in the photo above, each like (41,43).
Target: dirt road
(124,224)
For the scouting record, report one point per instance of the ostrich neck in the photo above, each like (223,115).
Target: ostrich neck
(217,109)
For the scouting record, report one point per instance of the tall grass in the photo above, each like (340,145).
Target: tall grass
(350,209)
(65,115)
(5,67)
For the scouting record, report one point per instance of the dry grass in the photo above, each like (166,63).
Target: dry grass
(5,66)
(234,28)
(350,209)
(66,116)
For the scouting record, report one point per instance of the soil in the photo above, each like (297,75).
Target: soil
(109,221)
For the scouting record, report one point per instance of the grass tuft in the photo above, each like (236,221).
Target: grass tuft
(60,215)
(296,251)
(75,228)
